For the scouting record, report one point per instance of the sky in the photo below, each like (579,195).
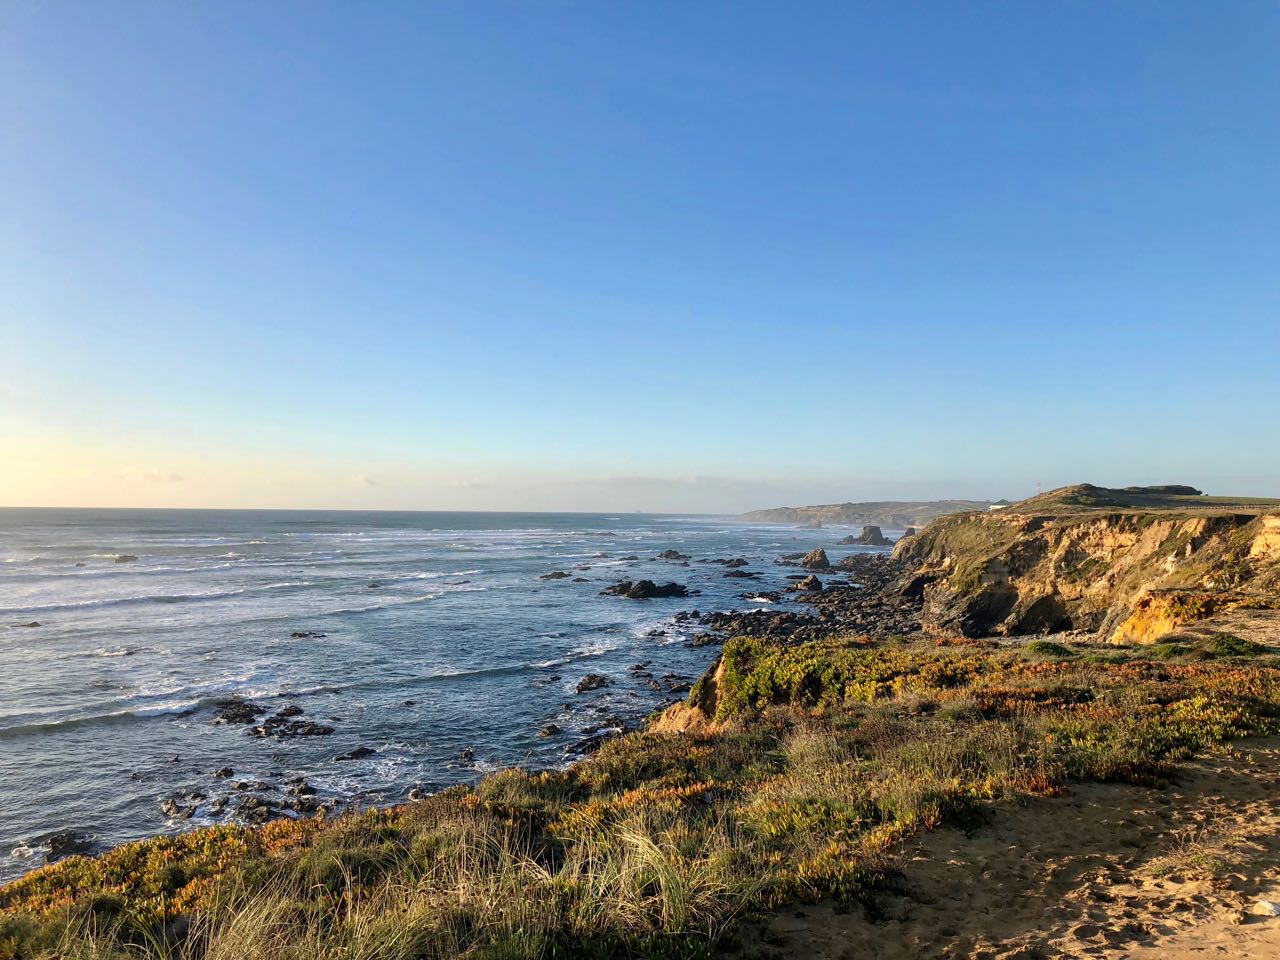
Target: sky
(683,256)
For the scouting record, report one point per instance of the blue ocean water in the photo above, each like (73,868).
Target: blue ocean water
(439,637)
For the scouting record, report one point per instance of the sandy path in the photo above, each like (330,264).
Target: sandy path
(1104,871)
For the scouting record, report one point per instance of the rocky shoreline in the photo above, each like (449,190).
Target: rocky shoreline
(856,594)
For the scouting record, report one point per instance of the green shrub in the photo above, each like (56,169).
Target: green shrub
(1047,648)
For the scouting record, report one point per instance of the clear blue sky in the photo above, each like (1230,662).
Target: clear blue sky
(650,255)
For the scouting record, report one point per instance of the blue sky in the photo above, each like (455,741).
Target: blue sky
(669,256)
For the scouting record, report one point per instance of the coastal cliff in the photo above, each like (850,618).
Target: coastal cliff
(1088,558)
(817,749)
(894,514)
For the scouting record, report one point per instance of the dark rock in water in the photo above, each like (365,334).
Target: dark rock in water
(872,537)
(417,793)
(739,574)
(255,810)
(809,584)
(736,562)
(374,585)
(764,596)
(236,710)
(672,555)
(66,843)
(467,754)
(125,558)
(589,745)
(554,575)
(816,560)
(282,724)
(33,623)
(170,807)
(359,753)
(244,786)
(704,640)
(550,730)
(306,635)
(298,787)
(305,806)
(592,681)
(581,580)
(630,556)
(644,590)
(223,772)
(296,728)
(789,557)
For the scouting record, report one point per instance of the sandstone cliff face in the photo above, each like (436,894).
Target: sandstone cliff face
(696,714)
(1009,572)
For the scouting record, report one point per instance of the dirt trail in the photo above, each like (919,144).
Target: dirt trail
(1104,871)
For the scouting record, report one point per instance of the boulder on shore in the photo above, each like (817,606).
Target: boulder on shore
(809,584)
(816,560)
(66,843)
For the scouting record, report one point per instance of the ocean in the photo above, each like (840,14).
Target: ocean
(427,642)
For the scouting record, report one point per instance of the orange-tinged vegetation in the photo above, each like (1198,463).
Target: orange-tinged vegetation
(824,757)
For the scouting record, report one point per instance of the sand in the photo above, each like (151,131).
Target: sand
(1103,871)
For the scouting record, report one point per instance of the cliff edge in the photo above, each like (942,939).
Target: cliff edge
(1092,558)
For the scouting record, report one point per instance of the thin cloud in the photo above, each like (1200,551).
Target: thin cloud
(150,476)
(367,480)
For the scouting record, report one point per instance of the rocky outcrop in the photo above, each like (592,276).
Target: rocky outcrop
(1018,571)
(871,536)
(644,590)
(591,681)
(816,560)
(809,584)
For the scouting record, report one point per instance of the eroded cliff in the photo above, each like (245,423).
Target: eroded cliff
(1026,571)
